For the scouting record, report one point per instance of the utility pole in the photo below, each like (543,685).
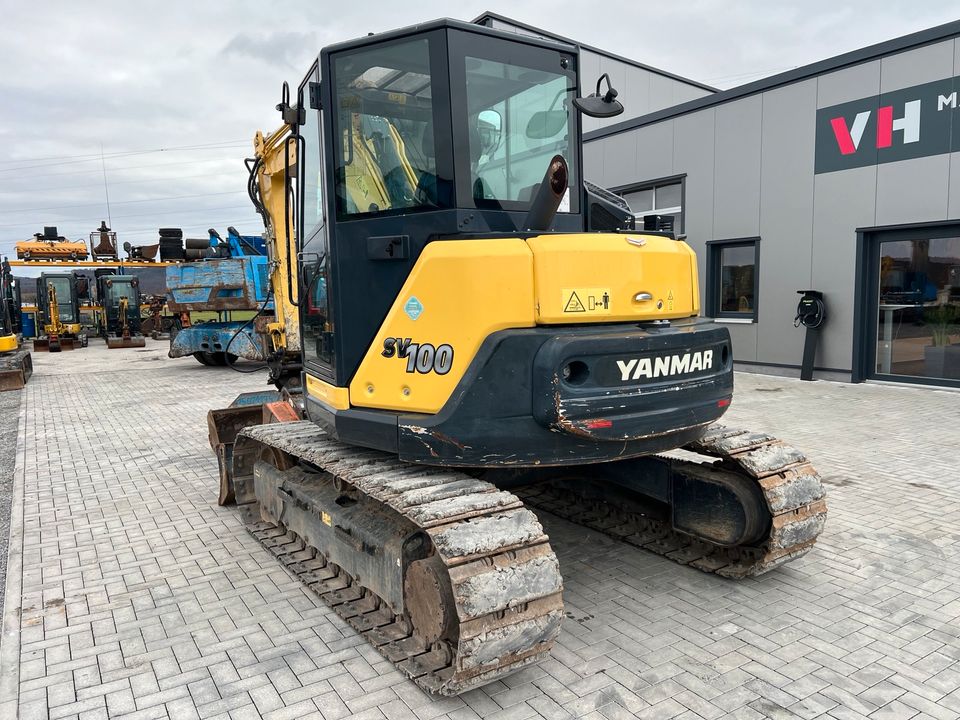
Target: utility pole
(106,191)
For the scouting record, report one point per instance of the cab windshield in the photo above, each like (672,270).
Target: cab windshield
(519,115)
(412,116)
(64,289)
(122,290)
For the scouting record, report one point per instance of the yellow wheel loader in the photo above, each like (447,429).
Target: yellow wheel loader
(480,332)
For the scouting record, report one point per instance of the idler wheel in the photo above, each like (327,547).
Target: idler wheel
(429,600)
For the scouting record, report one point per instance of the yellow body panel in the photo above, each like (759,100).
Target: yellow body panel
(461,291)
(8,343)
(458,293)
(62,329)
(584,278)
(335,397)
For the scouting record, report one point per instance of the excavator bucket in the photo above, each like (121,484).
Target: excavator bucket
(115,343)
(53,344)
(225,423)
(15,369)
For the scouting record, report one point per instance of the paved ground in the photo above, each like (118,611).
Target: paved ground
(140,596)
(9,418)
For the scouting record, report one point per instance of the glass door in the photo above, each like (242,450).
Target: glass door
(918,306)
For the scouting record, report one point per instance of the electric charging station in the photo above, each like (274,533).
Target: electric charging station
(811,313)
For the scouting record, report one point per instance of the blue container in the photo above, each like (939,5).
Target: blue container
(29,325)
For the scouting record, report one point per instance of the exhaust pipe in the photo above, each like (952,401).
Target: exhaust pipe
(548,197)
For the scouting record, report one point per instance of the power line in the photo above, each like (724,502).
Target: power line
(87,218)
(771,71)
(92,158)
(124,202)
(166,179)
(131,167)
(139,150)
(116,155)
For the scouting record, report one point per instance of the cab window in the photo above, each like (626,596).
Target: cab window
(513,139)
(513,112)
(384,128)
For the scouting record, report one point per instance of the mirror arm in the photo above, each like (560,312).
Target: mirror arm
(611,94)
(600,106)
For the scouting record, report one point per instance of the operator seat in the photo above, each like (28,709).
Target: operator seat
(431,190)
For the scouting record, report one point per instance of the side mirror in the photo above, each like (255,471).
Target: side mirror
(545,124)
(489,128)
(600,106)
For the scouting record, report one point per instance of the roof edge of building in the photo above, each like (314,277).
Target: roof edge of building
(606,53)
(821,67)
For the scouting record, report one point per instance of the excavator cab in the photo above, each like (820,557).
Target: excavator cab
(119,320)
(58,305)
(450,287)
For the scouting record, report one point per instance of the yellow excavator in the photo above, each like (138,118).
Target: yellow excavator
(58,335)
(480,331)
(16,364)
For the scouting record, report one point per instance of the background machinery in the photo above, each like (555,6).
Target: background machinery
(103,243)
(118,321)
(49,245)
(237,277)
(16,365)
(58,311)
(10,296)
(480,330)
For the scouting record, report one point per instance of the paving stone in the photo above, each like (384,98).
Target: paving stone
(150,599)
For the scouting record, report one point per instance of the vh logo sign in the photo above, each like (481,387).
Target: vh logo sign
(900,125)
(848,138)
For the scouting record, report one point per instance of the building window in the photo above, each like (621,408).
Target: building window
(662,199)
(732,278)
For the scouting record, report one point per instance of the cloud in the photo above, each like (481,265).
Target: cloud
(276,48)
(186,85)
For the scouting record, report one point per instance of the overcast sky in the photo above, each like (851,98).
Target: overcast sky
(173,91)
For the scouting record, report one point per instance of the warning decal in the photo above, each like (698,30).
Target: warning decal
(590,301)
(574,304)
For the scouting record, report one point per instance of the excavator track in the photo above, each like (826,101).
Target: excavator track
(790,486)
(492,572)
(15,369)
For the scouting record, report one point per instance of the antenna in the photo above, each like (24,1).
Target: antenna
(106,192)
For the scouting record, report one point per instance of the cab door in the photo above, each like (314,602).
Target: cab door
(317,329)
